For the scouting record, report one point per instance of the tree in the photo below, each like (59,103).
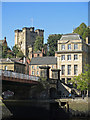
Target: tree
(38,45)
(82,81)
(20,54)
(17,51)
(52,43)
(6,52)
(82,30)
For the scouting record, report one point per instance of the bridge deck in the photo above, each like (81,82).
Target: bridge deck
(17,77)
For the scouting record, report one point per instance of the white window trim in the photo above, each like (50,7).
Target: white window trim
(75,48)
(67,58)
(76,59)
(68,47)
(63,59)
(62,48)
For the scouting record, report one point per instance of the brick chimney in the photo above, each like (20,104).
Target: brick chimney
(5,39)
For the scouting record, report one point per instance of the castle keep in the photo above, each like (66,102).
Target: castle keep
(25,39)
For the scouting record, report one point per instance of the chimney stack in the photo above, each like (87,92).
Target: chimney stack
(4,38)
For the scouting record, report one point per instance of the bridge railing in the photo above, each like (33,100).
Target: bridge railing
(17,75)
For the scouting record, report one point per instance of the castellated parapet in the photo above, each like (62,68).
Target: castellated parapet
(26,37)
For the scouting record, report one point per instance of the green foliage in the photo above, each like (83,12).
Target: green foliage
(52,43)
(82,30)
(6,52)
(38,45)
(20,54)
(17,51)
(82,80)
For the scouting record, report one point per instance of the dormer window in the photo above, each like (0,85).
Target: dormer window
(75,46)
(62,47)
(69,47)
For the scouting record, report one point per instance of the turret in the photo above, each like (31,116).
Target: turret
(40,32)
(32,29)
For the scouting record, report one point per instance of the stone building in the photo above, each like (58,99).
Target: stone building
(38,53)
(25,39)
(12,64)
(72,55)
(37,62)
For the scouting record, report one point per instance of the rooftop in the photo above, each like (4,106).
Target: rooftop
(71,36)
(10,60)
(44,60)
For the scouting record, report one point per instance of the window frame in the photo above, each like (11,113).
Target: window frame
(75,70)
(32,67)
(69,48)
(75,46)
(32,72)
(62,56)
(69,70)
(5,68)
(76,58)
(63,70)
(63,47)
(69,57)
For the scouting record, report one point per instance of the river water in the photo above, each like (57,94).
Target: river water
(26,112)
(46,119)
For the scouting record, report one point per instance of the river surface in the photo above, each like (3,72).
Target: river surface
(48,119)
(25,111)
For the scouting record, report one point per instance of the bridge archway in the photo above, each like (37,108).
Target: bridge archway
(53,93)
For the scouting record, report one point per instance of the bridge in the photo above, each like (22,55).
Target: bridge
(18,77)
(19,83)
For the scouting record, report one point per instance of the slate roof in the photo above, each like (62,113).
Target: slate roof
(10,60)
(43,60)
(71,36)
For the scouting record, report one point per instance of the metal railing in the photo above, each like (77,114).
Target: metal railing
(17,75)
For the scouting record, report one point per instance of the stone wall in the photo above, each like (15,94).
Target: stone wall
(78,106)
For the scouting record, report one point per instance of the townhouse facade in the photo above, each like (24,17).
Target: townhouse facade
(37,62)
(72,55)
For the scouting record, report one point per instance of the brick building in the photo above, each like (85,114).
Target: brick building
(37,62)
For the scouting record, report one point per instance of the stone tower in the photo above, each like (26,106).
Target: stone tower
(25,39)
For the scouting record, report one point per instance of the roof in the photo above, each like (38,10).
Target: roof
(37,51)
(71,36)
(43,60)
(15,59)
(10,60)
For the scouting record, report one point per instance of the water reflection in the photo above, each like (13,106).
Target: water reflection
(79,118)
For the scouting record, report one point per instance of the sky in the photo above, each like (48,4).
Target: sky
(52,17)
